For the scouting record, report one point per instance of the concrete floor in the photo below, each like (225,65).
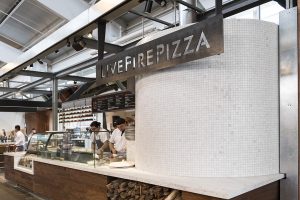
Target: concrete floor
(10,192)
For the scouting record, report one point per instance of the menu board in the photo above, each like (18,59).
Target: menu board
(114,101)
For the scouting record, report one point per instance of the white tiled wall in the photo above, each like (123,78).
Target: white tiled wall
(215,117)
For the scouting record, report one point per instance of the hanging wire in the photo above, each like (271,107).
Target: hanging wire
(175,13)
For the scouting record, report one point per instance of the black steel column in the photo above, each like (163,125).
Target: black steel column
(219,5)
(101,42)
(54,104)
(101,38)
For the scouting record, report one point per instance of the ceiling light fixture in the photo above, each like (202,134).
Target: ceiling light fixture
(90,35)
(39,60)
(75,82)
(56,51)
(31,65)
(148,6)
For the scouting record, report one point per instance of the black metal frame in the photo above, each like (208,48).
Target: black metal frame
(151,18)
(227,9)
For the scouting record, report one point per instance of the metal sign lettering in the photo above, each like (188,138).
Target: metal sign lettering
(196,41)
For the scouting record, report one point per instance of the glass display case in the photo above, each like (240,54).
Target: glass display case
(60,146)
(37,143)
(64,146)
(35,147)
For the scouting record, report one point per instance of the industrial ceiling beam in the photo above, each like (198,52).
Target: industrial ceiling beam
(6,95)
(109,48)
(22,103)
(18,109)
(191,6)
(151,18)
(77,78)
(36,74)
(232,8)
(10,70)
(75,68)
(80,25)
(7,89)
(52,75)
(34,84)
(79,91)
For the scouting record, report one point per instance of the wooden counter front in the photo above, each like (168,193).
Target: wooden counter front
(57,183)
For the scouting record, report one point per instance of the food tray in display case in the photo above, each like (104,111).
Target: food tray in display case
(24,163)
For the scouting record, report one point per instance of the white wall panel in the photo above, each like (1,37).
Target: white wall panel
(215,117)
(8,120)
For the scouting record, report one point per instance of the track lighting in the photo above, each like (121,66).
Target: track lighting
(56,51)
(148,6)
(78,44)
(31,65)
(75,82)
(39,60)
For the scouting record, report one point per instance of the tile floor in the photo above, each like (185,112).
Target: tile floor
(12,192)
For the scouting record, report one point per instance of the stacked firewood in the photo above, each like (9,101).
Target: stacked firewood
(132,190)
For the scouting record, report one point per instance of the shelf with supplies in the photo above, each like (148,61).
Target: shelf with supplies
(76,114)
(114,101)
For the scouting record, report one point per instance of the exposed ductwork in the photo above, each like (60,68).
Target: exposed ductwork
(187,15)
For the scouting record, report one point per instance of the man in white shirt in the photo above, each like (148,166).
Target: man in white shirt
(19,139)
(117,141)
(99,137)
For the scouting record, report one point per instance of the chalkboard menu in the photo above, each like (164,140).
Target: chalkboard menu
(114,101)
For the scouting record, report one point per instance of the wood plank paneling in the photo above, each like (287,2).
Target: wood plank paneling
(23,179)
(58,183)
(38,120)
(9,172)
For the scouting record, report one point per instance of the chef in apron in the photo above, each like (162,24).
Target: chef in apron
(117,141)
(99,138)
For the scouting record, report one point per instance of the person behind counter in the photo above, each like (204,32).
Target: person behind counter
(117,141)
(33,131)
(100,138)
(29,136)
(19,139)
(3,136)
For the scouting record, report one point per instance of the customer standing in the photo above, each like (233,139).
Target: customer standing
(117,141)
(19,139)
